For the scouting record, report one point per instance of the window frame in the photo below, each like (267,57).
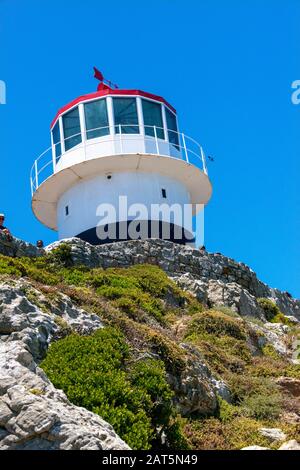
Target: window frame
(77,135)
(159,129)
(86,130)
(176,133)
(137,125)
(56,145)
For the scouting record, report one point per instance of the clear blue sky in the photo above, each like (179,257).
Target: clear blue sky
(227,67)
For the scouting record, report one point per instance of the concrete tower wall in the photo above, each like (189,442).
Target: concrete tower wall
(78,208)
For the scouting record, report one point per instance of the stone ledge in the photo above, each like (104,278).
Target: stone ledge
(17,248)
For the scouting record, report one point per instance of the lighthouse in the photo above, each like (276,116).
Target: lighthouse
(119,168)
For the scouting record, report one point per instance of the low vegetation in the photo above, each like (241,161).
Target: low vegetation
(121,371)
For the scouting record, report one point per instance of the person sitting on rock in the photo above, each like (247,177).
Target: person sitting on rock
(5,229)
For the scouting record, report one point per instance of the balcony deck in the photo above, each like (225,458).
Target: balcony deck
(54,172)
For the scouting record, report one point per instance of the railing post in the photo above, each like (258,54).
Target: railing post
(82,128)
(36,175)
(156,141)
(121,142)
(203,160)
(185,149)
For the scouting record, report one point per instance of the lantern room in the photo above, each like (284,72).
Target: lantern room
(111,144)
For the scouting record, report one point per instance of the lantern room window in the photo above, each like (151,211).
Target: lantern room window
(56,141)
(153,117)
(172,128)
(71,126)
(96,119)
(126,116)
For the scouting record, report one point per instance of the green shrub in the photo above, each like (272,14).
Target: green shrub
(7,266)
(62,255)
(168,351)
(216,323)
(226,411)
(152,279)
(127,305)
(226,310)
(266,366)
(75,276)
(213,434)
(269,307)
(194,306)
(245,385)
(269,351)
(292,370)
(281,318)
(34,268)
(221,339)
(263,406)
(149,375)
(175,435)
(92,371)
(129,294)
(257,397)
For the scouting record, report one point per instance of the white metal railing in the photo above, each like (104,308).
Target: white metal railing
(166,142)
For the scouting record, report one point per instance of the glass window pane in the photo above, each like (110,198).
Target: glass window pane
(172,128)
(153,117)
(56,141)
(96,117)
(125,111)
(71,126)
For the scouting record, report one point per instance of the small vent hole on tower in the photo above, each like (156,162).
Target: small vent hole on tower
(66,211)
(109,176)
(164,193)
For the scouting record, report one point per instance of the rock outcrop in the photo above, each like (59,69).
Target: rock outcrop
(18,248)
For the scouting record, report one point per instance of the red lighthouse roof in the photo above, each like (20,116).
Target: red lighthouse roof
(104,90)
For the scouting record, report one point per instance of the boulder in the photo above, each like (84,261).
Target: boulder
(274,434)
(290,445)
(234,296)
(255,448)
(193,387)
(290,384)
(274,334)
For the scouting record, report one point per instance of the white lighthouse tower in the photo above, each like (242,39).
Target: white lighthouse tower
(118,168)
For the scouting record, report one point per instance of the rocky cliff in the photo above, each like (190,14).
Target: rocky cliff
(214,278)
(219,346)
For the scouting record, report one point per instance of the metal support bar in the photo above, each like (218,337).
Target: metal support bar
(36,175)
(185,149)
(121,141)
(156,141)
(203,161)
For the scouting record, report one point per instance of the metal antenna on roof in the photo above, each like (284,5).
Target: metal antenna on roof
(99,76)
